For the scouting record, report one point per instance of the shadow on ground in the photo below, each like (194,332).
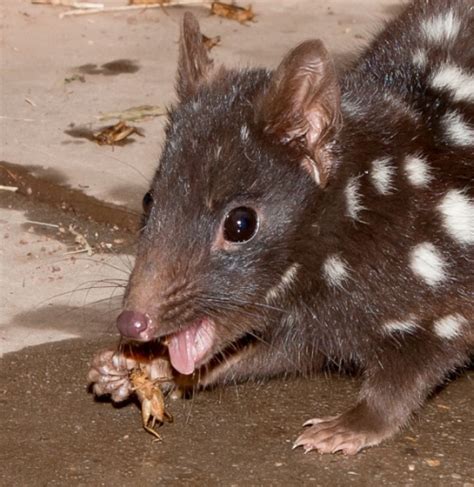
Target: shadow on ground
(55,433)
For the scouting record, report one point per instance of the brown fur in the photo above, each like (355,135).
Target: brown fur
(245,138)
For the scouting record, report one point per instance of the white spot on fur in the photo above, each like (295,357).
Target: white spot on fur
(458,216)
(396,326)
(458,131)
(287,279)
(352,193)
(244,133)
(417,171)
(382,175)
(427,263)
(335,270)
(455,80)
(441,28)
(420,58)
(449,326)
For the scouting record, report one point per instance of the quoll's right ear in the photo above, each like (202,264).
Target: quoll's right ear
(301,107)
(194,64)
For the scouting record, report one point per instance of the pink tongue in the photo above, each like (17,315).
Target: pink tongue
(189,346)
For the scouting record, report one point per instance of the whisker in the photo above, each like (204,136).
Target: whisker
(124,255)
(130,166)
(96,261)
(79,288)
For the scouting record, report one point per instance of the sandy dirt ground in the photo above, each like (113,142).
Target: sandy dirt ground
(68,235)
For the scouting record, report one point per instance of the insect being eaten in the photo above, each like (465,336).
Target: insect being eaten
(151,398)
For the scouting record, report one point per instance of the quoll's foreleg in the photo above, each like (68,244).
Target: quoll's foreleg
(255,361)
(407,369)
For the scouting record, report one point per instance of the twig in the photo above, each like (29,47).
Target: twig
(69,3)
(135,113)
(44,224)
(127,8)
(9,188)
(31,102)
(15,119)
(81,251)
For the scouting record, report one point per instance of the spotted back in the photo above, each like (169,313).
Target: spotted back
(401,257)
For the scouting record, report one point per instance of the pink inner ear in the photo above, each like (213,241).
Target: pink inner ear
(315,127)
(302,105)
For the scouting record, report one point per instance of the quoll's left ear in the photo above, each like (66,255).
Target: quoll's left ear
(301,107)
(194,64)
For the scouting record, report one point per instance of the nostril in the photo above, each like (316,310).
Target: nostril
(131,323)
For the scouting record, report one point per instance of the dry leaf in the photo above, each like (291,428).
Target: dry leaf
(232,12)
(432,462)
(210,42)
(135,113)
(75,77)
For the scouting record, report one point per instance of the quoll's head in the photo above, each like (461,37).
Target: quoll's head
(245,156)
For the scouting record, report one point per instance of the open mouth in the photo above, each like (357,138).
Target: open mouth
(187,348)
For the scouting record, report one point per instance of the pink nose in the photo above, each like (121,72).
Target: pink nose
(132,323)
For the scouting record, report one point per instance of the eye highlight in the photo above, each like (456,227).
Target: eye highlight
(240,224)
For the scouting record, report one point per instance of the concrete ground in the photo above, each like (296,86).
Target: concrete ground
(67,246)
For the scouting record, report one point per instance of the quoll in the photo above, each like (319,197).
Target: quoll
(299,217)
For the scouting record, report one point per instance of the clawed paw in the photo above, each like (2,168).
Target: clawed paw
(109,375)
(334,434)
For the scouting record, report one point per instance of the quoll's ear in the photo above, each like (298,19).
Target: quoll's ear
(302,106)
(194,64)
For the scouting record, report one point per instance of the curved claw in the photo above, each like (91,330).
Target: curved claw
(338,434)
(314,421)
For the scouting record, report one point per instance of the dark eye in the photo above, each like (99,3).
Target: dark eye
(240,224)
(147,202)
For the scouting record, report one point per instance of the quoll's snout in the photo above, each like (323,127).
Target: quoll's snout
(132,324)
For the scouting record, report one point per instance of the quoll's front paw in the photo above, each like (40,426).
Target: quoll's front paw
(349,433)
(109,374)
